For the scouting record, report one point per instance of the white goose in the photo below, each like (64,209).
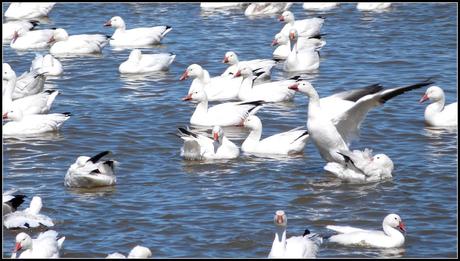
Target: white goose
(28,10)
(141,63)
(262,65)
(305,28)
(319,6)
(285,143)
(46,245)
(32,124)
(436,114)
(221,5)
(10,27)
(372,6)
(89,172)
(199,147)
(76,44)
(277,91)
(48,65)
(28,83)
(305,59)
(136,37)
(390,237)
(136,252)
(37,39)
(224,114)
(255,9)
(11,202)
(29,217)
(283,45)
(219,88)
(361,166)
(305,246)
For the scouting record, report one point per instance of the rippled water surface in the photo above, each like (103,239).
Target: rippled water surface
(225,208)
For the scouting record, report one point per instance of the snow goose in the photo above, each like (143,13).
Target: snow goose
(48,65)
(222,5)
(136,252)
(91,172)
(305,59)
(20,11)
(11,202)
(199,147)
(37,39)
(46,245)
(29,217)
(390,237)
(76,44)
(319,6)
(283,45)
(28,83)
(332,129)
(135,37)
(305,246)
(32,124)
(372,6)
(141,63)
(436,114)
(219,88)
(262,65)
(10,27)
(361,166)
(285,143)
(224,114)
(277,91)
(255,9)
(306,28)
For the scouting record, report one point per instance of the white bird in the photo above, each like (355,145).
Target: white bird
(29,217)
(390,237)
(372,6)
(11,202)
(285,143)
(135,37)
(332,129)
(136,252)
(28,83)
(305,246)
(319,6)
(436,114)
(10,27)
(141,63)
(361,166)
(224,114)
(276,91)
(255,9)
(48,65)
(91,172)
(301,59)
(199,147)
(283,45)
(32,124)
(305,28)
(28,10)
(76,44)
(36,39)
(46,245)
(219,88)
(262,65)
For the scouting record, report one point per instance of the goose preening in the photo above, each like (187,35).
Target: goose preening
(305,28)
(46,245)
(29,217)
(305,246)
(88,172)
(32,124)
(142,63)
(283,45)
(136,37)
(10,27)
(219,88)
(136,252)
(48,65)
(36,39)
(285,143)
(20,11)
(372,6)
(437,114)
(11,202)
(255,9)
(390,237)
(301,59)
(277,91)
(199,147)
(224,114)
(28,83)
(333,127)
(263,66)
(62,43)
(361,166)
(319,6)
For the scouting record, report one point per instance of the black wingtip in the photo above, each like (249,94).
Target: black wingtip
(347,159)
(303,134)
(255,103)
(34,22)
(296,77)
(171,53)
(187,132)
(50,91)
(168,27)
(68,114)
(110,163)
(98,156)
(322,17)
(306,232)
(17,200)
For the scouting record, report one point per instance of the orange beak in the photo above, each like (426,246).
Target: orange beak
(402,226)
(424,98)
(294,87)
(275,42)
(187,98)
(108,23)
(281,18)
(237,74)
(225,60)
(216,136)
(184,76)
(17,247)
(5,115)
(279,219)
(51,39)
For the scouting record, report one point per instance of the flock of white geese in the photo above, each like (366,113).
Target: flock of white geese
(333,121)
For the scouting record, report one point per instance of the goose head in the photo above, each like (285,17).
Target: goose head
(303,87)
(230,58)
(193,70)
(383,161)
(140,252)
(244,71)
(394,221)
(135,55)
(287,17)
(433,93)
(252,122)
(59,34)
(13,114)
(280,218)
(279,39)
(23,241)
(116,22)
(8,73)
(199,95)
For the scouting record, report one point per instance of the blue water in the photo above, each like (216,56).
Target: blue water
(225,209)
